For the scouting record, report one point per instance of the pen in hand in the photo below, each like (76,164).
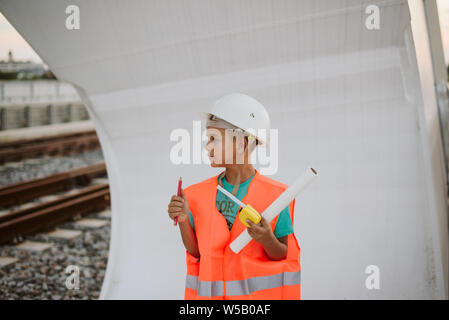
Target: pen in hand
(179,195)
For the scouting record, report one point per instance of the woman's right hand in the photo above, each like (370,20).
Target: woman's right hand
(178,207)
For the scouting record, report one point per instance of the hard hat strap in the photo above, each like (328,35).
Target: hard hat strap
(236,185)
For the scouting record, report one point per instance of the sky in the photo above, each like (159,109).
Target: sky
(11,39)
(443,11)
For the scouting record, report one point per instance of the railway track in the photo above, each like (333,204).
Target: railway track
(45,215)
(21,192)
(61,144)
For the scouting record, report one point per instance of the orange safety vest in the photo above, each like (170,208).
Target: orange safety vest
(221,274)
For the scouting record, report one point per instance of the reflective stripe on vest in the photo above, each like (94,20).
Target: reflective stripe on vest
(242,287)
(205,288)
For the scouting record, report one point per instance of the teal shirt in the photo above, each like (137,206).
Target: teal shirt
(229,209)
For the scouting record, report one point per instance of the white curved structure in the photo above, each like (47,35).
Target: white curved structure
(357,104)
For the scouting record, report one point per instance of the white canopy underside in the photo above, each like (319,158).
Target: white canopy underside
(356,104)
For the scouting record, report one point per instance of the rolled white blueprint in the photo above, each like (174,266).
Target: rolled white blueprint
(277,206)
(231,196)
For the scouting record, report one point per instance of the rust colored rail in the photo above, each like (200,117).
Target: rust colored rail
(22,192)
(67,143)
(44,216)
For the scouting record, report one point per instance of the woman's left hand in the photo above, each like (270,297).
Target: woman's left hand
(260,232)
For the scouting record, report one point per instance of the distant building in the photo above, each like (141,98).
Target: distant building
(12,69)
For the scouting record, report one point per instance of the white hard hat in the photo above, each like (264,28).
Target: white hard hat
(243,112)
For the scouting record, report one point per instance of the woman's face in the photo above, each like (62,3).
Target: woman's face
(223,148)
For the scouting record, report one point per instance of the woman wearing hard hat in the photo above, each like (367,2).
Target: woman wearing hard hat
(268,267)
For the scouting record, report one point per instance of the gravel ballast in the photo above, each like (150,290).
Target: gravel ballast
(42,275)
(34,168)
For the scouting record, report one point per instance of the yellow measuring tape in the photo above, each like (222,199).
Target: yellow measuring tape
(247,212)
(250,213)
